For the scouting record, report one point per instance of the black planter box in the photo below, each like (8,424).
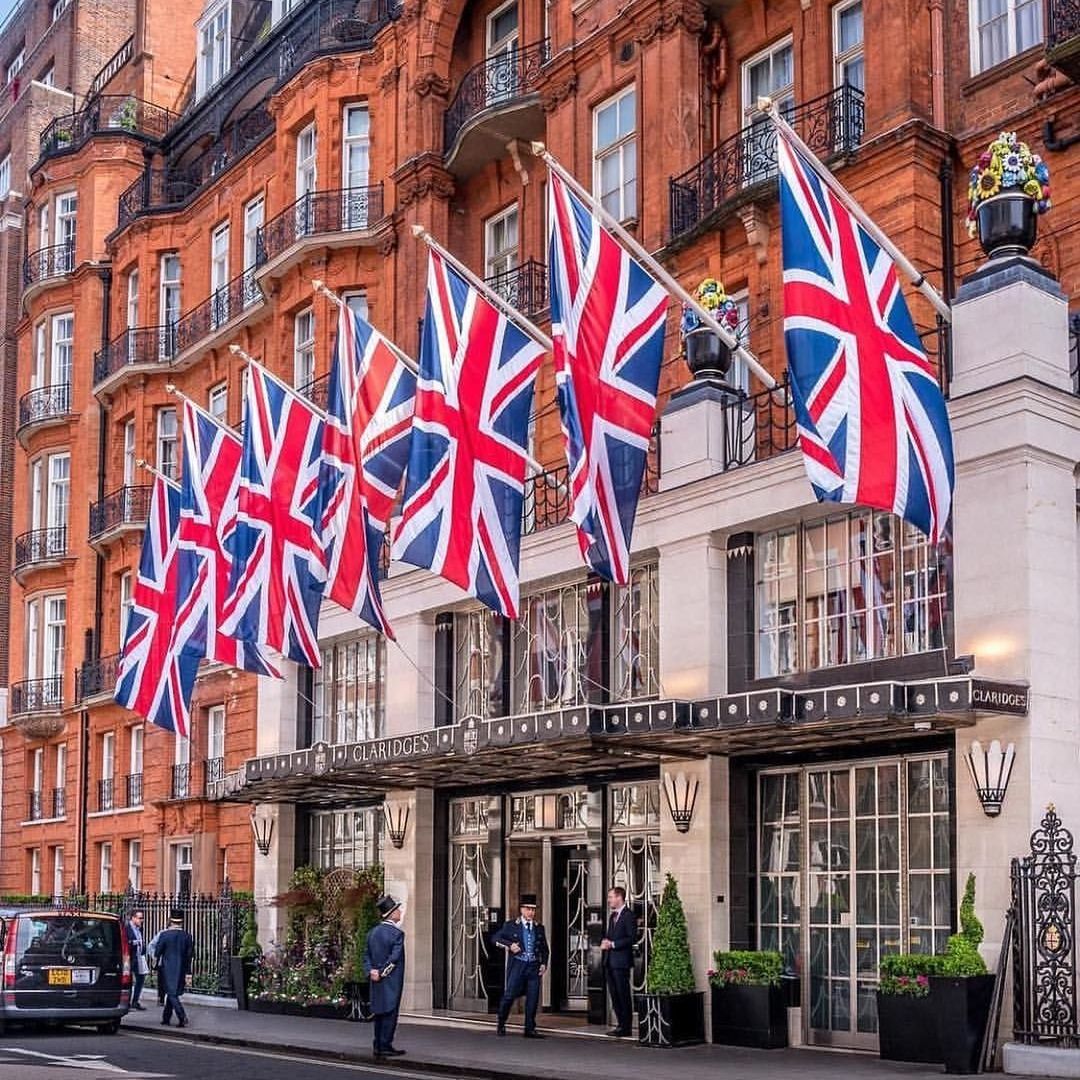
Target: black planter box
(289,1008)
(907,1028)
(671,1019)
(962,1007)
(750,1016)
(240,971)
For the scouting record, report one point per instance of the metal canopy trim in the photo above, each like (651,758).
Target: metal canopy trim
(612,737)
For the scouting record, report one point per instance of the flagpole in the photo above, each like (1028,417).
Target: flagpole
(306,402)
(144,464)
(665,278)
(918,279)
(408,361)
(171,388)
(489,293)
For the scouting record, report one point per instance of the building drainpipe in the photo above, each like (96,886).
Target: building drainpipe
(84,794)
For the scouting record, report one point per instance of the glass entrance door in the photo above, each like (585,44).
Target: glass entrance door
(867,845)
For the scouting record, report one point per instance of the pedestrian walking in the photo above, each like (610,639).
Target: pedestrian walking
(140,966)
(618,952)
(525,941)
(384,960)
(173,952)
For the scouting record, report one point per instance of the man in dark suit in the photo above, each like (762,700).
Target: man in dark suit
(384,959)
(526,945)
(173,953)
(618,949)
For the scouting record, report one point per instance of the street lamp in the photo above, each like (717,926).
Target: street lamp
(262,828)
(990,772)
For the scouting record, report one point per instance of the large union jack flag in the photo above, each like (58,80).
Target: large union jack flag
(461,515)
(279,569)
(209,487)
(872,420)
(365,449)
(155,677)
(607,324)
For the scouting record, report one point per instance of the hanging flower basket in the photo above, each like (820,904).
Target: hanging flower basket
(706,354)
(1008,188)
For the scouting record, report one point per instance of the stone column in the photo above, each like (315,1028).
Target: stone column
(410,877)
(272,871)
(275,729)
(410,699)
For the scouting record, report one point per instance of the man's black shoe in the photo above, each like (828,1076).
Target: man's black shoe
(500,1030)
(182,1023)
(165,1022)
(393,1052)
(141,1008)
(616,1033)
(534,1035)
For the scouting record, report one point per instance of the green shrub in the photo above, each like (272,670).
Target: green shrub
(670,968)
(250,949)
(744,968)
(909,973)
(962,959)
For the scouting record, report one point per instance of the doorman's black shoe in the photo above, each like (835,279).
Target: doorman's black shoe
(500,1030)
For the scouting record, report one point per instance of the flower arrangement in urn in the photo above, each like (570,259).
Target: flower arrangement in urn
(1007,188)
(706,354)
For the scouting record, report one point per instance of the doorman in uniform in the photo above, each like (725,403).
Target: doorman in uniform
(618,947)
(527,951)
(384,960)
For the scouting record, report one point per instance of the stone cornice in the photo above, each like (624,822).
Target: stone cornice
(420,177)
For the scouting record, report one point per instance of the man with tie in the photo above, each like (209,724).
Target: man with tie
(618,949)
(526,943)
(384,960)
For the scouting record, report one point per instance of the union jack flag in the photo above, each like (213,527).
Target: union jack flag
(464,489)
(208,505)
(279,568)
(365,448)
(872,420)
(607,324)
(155,678)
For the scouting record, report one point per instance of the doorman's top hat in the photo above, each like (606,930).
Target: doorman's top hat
(528,899)
(176,915)
(387,905)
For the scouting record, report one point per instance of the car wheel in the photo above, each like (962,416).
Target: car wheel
(111,1028)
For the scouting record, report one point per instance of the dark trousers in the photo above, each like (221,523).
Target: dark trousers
(618,981)
(385,1026)
(136,987)
(172,1001)
(522,977)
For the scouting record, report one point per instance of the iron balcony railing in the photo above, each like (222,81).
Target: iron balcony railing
(498,81)
(96,677)
(59,802)
(39,546)
(48,262)
(181,782)
(220,307)
(105,794)
(317,391)
(1074,350)
(37,695)
(213,773)
(340,210)
(128,505)
(112,66)
(44,403)
(134,347)
(113,114)
(34,807)
(1062,22)
(133,789)
(524,287)
(831,125)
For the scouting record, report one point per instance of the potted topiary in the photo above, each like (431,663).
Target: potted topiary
(671,1012)
(1007,189)
(243,963)
(962,992)
(749,1006)
(907,1020)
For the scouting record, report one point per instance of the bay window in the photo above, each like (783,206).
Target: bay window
(350,690)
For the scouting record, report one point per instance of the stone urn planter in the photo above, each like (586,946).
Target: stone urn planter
(1007,224)
(706,355)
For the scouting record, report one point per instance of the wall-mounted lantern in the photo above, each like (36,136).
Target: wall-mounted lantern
(990,770)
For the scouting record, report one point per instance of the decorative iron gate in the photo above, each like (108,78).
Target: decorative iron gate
(1044,938)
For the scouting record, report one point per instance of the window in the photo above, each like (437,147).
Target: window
(219,275)
(480,665)
(850,66)
(356,302)
(769,74)
(43,225)
(41,345)
(135,864)
(108,755)
(58,502)
(502,49)
(46,78)
(346,838)
(304,349)
(55,629)
(35,872)
(5,176)
(37,770)
(254,213)
(355,167)
(66,208)
(129,453)
(58,871)
(170,302)
(127,601)
(217,402)
(136,751)
(215,733)
(1003,28)
(105,884)
(851,588)
(15,65)
(181,783)
(350,691)
(166,442)
(63,336)
(132,309)
(214,51)
(182,869)
(615,155)
(501,248)
(306,180)
(61,769)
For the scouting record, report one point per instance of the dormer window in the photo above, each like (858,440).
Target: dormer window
(214,51)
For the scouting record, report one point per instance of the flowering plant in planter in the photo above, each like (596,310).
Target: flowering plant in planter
(1008,165)
(744,968)
(908,974)
(711,296)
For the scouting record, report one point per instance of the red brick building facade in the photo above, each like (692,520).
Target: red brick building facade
(305,145)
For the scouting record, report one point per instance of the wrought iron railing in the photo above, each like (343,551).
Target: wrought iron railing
(136,346)
(112,66)
(1074,350)
(219,308)
(34,807)
(831,125)
(498,81)
(96,677)
(40,545)
(59,802)
(1062,22)
(133,789)
(213,774)
(37,695)
(105,794)
(114,114)
(340,210)
(524,287)
(317,391)
(44,403)
(181,782)
(49,262)
(128,505)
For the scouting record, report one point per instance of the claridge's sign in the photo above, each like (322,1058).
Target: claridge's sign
(1011,698)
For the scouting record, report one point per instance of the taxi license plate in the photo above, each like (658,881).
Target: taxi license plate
(60,977)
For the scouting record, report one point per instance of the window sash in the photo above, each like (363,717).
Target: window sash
(166,441)
(1002,30)
(304,348)
(215,732)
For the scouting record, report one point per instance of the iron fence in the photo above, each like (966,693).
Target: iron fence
(317,212)
(107,113)
(112,66)
(524,287)
(135,346)
(317,391)
(128,505)
(133,789)
(44,403)
(40,545)
(105,794)
(213,774)
(499,80)
(221,306)
(37,695)
(49,262)
(59,802)
(180,788)
(831,125)
(96,676)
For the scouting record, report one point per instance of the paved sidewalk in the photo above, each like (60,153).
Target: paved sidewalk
(461,1049)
